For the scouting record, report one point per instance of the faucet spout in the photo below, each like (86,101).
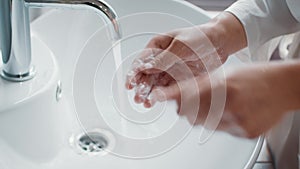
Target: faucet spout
(100,7)
(15,44)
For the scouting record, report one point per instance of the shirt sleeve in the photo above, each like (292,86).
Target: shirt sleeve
(264,20)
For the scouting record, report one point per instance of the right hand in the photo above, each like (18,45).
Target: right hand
(257,97)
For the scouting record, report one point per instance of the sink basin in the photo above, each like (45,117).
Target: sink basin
(41,130)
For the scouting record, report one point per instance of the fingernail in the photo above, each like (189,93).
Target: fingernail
(147,104)
(128,86)
(137,99)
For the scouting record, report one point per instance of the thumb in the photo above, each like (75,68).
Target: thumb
(161,62)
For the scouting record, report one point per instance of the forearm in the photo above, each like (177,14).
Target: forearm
(226,33)
(285,77)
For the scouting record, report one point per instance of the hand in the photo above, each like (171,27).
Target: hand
(257,96)
(202,48)
(161,62)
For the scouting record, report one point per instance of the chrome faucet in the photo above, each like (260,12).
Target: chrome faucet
(15,44)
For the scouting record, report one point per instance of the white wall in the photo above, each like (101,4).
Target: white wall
(36,12)
(212,4)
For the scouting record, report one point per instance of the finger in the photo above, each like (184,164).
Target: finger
(142,92)
(205,99)
(197,67)
(161,41)
(161,94)
(138,65)
(148,104)
(164,79)
(176,52)
(144,88)
(159,51)
(132,79)
(156,45)
(142,62)
(194,109)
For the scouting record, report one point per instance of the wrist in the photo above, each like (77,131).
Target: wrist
(226,33)
(290,77)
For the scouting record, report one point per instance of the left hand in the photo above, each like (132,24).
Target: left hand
(163,61)
(202,48)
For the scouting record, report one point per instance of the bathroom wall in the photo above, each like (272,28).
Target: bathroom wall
(36,12)
(215,5)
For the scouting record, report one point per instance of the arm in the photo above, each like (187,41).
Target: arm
(226,33)
(257,97)
(264,20)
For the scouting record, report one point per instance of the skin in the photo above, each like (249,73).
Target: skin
(257,96)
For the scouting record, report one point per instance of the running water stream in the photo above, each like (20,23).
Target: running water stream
(117,52)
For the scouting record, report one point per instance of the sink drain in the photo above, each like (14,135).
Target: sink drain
(93,142)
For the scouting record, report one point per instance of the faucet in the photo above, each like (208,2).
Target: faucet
(15,43)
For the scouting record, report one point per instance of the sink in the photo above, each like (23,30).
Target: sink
(43,128)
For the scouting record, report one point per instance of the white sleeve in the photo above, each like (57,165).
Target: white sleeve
(264,20)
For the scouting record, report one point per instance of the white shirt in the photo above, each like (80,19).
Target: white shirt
(264,20)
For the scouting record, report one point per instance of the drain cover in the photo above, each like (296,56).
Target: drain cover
(92,142)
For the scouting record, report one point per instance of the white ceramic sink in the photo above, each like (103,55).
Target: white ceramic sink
(37,131)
